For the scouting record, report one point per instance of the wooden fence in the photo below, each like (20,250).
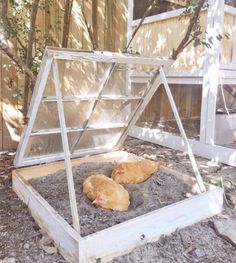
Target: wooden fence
(108,20)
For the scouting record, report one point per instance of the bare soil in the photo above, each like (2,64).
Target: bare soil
(21,239)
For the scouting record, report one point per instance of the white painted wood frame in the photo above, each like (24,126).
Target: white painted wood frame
(70,54)
(66,149)
(216,153)
(211,151)
(234,42)
(215,20)
(33,109)
(159,17)
(122,238)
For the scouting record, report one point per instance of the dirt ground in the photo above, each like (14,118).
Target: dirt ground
(148,196)
(21,240)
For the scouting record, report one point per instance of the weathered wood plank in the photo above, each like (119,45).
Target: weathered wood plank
(150,227)
(46,169)
(65,237)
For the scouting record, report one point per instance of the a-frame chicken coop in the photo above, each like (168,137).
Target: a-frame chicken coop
(202,80)
(83,105)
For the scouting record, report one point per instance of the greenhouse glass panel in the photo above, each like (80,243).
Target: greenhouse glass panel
(91,98)
(106,138)
(110,112)
(76,114)
(225,119)
(40,145)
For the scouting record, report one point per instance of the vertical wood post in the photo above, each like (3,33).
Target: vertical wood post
(68,165)
(215,20)
(234,42)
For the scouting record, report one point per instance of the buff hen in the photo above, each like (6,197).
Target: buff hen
(106,193)
(136,172)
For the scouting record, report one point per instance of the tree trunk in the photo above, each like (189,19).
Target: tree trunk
(7,51)
(90,31)
(145,14)
(4,47)
(94,22)
(29,54)
(66,25)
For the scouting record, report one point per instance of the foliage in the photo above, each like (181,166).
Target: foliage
(18,28)
(198,34)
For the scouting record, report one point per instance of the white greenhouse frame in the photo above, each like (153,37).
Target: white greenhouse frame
(102,244)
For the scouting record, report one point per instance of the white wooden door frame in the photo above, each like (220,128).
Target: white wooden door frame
(215,20)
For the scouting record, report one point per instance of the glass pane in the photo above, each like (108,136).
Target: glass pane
(48,144)
(78,78)
(159,115)
(119,85)
(76,114)
(113,112)
(225,122)
(49,88)
(100,97)
(106,138)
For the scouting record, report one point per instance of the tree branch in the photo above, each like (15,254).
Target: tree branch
(90,32)
(29,54)
(146,13)
(192,22)
(7,51)
(66,26)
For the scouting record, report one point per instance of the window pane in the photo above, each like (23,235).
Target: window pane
(225,122)
(159,115)
(48,144)
(113,112)
(106,138)
(76,114)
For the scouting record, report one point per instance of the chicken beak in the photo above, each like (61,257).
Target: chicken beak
(97,201)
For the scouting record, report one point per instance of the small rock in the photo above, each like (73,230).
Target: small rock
(49,250)
(226,229)
(199,252)
(26,245)
(46,244)
(8,260)
(232,197)
(224,216)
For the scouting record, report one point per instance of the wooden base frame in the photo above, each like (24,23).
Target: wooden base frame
(122,238)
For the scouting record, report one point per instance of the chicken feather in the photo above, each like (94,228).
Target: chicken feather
(135,172)
(106,193)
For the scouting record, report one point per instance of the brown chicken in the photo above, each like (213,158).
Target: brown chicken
(106,193)
(136,172)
